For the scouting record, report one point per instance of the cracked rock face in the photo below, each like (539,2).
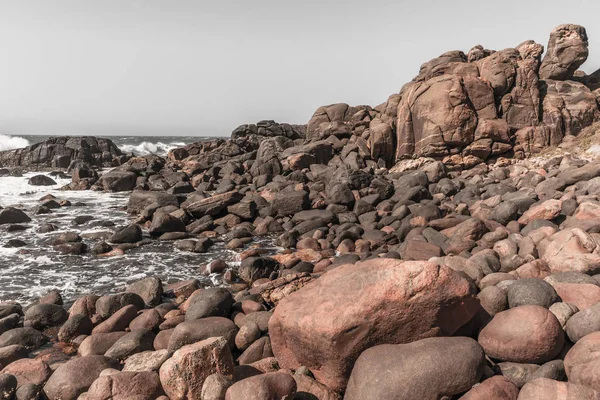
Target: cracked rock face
(567,50)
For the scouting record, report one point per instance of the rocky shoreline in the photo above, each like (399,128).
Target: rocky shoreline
(425,253)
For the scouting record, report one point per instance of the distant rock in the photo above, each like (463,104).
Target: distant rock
(59,152)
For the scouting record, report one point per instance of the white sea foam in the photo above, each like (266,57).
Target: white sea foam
(8,142)
(146,148)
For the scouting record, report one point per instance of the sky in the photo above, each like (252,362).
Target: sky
(182,67)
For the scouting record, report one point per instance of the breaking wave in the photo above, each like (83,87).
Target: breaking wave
(146,148)
(8,142)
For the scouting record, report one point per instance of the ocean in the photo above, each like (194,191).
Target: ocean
(31,271)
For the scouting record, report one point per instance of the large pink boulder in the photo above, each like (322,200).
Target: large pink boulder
(327,324)
(525,334)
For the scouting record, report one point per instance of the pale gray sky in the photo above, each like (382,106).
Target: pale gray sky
(202,67)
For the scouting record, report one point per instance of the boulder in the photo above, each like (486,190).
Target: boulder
(116,181)
(43,316)
(531,291)
(149,289)
(29,371)
(189,332)
(99,343)
(495,388)
(582,363)
(75,376)
(118,321)
(183,375)
(131,343)
(426,369)
(8,386)
(567,50)
(41,180)
(27,337)
(544,388)
(126,386)
(146,361)
(273,385)
(212,205)
(525,334)
(583,323)
(77,325)
(209,302)
(11,215)
(130,234)
(326,325)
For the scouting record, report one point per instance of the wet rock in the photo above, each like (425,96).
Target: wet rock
(41,180)
(11,215)
(129,234)
(149,289)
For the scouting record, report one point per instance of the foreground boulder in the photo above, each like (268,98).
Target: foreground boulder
(426,369)
(525,334)
(328,324)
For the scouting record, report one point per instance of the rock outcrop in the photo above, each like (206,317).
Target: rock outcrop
(59,152)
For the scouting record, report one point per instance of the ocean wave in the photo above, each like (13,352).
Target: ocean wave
(8,142)
(146,148)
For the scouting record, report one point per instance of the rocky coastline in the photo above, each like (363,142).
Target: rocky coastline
(442,245)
